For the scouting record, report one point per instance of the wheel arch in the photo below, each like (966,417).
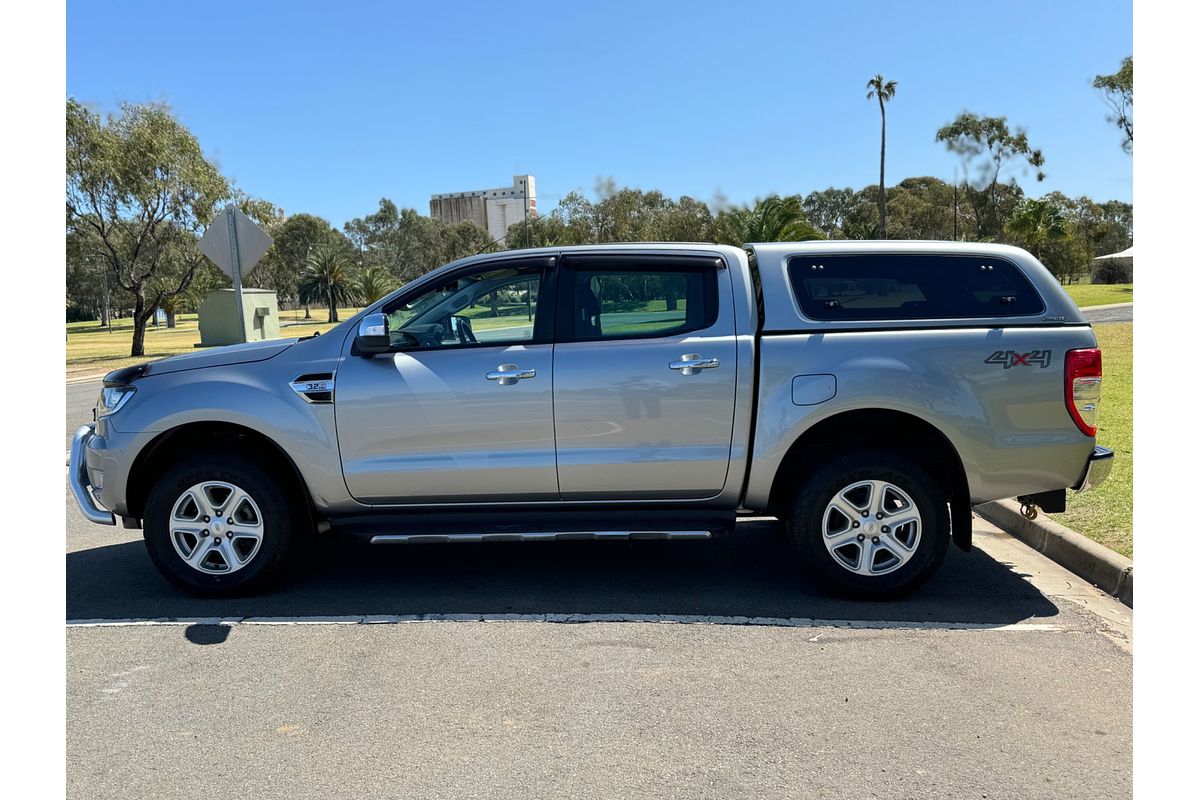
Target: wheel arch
(167,447)
(879,428)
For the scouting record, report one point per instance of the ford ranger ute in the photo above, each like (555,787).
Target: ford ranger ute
(867,394)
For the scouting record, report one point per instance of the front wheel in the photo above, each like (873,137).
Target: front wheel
(870,525)
(219,525)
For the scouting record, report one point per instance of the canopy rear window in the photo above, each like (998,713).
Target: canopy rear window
(910,286)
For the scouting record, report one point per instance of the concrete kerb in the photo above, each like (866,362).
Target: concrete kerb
(1109,571)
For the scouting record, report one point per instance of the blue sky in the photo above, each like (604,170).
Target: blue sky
(326,107)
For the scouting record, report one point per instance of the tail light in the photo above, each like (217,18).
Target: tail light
(1083,388)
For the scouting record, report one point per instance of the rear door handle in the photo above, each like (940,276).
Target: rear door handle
(508,374)
(691,363)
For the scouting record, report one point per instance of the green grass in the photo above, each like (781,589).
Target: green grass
(92,349)
(1105,514)
(1100,294)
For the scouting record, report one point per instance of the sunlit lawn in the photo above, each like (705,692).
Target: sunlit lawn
(92,349)
(1100,294)
(1105,514)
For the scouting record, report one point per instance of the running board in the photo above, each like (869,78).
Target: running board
(535,536)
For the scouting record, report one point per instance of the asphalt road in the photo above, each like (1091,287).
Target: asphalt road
(1120,313)
(81,398)
(1031,700)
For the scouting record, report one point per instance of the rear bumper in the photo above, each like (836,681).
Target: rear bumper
(81,486)
(1098,466)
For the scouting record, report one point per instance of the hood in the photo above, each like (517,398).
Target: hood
(209,357)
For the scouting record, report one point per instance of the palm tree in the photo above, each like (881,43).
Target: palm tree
(776,219)
(326,277)
(372,284)
(883,91)
(1037,222)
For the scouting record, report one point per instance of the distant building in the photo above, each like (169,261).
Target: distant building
(491,209)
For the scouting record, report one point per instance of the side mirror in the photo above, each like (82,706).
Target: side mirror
(372,338)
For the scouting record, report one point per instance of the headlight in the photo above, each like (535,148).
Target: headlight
(111,399)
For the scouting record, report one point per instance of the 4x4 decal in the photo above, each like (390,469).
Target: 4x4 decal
(1011,358)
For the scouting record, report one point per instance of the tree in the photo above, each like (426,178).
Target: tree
(883,91)
(327,277)
(547,231)
(775,219)
(921,208)
(284,266)
(1067,257)
(828,210)
(373,284)
(140,189)
(989,141)
(1118,91)
(1036,223)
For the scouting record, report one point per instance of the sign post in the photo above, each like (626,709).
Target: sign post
(235,244)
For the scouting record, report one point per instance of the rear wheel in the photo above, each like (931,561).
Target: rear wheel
(870,525)
(219,525)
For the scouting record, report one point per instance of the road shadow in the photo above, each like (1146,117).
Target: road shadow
(749,573)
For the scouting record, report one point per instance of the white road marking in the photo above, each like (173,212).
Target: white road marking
(670,619)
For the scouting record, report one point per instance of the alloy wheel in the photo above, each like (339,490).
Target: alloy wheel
(871,527)
(216,527)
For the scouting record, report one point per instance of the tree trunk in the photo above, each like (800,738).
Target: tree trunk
(307,313)
(170,319)
(140,316)
(332,307)
(882,152)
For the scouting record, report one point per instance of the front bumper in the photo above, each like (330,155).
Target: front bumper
(1098,466)
(77,474)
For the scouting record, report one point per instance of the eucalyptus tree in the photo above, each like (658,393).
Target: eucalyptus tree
(138,192)
(1118,91)
(989,143)
(828,209)
(883,91)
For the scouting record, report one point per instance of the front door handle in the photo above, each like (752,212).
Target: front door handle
(508,374)
(692,363)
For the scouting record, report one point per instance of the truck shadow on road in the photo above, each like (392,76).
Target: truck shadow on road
(750,573)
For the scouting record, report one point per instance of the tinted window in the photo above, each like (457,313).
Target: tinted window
(873,287)
(631,303)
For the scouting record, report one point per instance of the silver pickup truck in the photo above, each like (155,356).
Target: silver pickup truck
(868,394)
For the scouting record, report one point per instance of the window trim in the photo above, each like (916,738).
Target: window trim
(707,265)
(802,299)
(544,315)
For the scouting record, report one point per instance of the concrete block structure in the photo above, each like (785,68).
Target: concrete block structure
(219,320)
(491,209)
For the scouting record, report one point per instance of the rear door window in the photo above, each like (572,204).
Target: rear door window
(632,298)
(910,286)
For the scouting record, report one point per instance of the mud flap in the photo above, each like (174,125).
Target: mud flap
(960,522)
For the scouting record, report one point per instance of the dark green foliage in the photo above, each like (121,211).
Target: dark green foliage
(1113,270)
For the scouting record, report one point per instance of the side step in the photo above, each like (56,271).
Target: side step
(535,536)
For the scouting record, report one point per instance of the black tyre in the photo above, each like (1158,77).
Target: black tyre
(870,525)
(218,525)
